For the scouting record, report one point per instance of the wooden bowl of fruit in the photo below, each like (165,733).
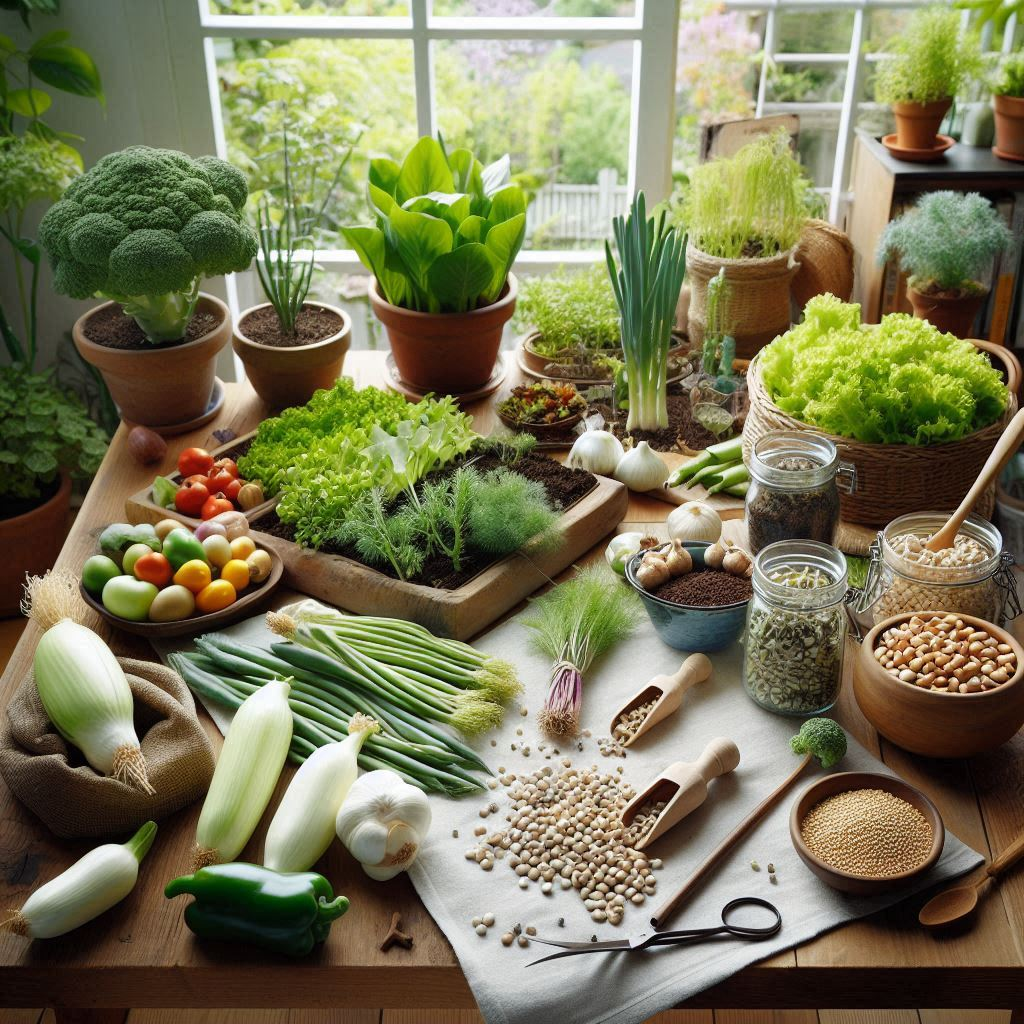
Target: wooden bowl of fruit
(543,408)
(170,580)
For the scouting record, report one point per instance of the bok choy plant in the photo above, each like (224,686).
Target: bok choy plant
(646,285)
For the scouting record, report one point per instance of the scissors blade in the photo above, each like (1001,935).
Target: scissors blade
(584,947)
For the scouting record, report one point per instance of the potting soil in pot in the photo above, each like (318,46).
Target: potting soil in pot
(313,323)
(109,327)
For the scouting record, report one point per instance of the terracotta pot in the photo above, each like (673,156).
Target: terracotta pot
(917,124)
(450,353)
(160,386)
(31,543)
(955,315)
(289,376)
(1009,125)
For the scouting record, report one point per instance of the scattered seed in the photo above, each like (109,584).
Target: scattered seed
(455,833)
(481,929)
(489,920)
(523,941)
(754,866)
(507,939)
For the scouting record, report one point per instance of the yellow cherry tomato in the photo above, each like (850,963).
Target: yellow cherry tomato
(242,547)
(194,574)
(219,594)
(236,572)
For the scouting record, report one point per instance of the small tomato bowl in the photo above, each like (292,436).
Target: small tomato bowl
(844,782)
(931,722)
(690,627)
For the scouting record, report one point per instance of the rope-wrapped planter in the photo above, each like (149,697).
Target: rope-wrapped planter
(825,255)
(758,299)
(894,479)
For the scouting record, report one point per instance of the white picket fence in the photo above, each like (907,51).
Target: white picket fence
(563,213)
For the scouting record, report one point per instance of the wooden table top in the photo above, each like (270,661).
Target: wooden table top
(140,954)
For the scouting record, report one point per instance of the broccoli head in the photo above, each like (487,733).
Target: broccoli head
(142,227)
(823,738)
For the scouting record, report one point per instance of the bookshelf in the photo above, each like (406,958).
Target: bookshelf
(882,186)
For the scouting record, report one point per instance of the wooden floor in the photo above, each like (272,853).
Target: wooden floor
(10,630)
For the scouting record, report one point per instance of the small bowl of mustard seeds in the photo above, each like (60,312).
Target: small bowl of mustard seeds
(864,833)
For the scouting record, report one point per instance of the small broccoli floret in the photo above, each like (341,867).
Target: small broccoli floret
(823,738)
(141,228)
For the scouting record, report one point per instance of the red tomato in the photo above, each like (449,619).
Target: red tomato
(213,506)
(154,568)
(190,498)
(232,489)
(194,460)
(219,480)
(226,466)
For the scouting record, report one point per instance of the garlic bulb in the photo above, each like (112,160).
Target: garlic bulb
(714,555)
(596,451)
(653,571)
(736,562)
(694,521)
(678,559)
(641,468)
(383,822)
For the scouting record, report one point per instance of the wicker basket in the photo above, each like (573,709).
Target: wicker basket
(894,479)
(826,263)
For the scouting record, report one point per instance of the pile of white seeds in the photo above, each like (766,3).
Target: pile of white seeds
(565,829)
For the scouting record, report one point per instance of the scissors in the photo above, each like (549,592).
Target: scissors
(648,940)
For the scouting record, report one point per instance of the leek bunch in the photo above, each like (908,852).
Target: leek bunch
(646,287)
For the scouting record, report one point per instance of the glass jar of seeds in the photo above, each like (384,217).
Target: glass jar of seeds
(971,578)
(796,628)
(795,479)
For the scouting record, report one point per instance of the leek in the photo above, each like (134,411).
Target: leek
(646,288)
(247,771)
(82,687)
(93,884)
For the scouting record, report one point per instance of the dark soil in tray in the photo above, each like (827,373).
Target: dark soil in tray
(564,487)
(313,323)
(109,327)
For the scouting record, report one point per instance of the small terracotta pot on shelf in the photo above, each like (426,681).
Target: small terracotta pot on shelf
(288,375)
(448,353)
(31,543)
(159,386)
(948,313)
(1009,111)
(917,124)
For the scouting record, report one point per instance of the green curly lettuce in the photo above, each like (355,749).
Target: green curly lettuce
(900,382)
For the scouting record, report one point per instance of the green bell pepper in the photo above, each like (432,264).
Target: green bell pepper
(285,913)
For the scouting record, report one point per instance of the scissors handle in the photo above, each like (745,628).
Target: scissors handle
(746,931)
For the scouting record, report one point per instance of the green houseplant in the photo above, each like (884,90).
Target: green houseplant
(141,228)
(291,347)
(923,71)
(446,232)
(945,243)
(1008,102)
(744,215)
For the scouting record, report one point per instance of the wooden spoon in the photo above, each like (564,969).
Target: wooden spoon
(958,902)
(1007,444)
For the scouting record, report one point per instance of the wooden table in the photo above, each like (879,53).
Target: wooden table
(140,954)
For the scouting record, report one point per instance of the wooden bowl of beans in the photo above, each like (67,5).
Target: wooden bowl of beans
(941,684)
(864,833)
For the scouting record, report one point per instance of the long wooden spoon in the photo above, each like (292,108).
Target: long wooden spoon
(958,902)
(1007,444)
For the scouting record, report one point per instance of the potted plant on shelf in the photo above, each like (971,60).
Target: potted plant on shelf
(290,347)
(745,215)
(46,437)
(924,69)
(1008,102)
(945,243)
(441,251)
(140,229)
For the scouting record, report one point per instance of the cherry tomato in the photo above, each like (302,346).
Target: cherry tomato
(220,480)
(191,497)
(194,460)
(154,568)
(214,505)
(232,489)
(228,466)
(194,575)
(219,594)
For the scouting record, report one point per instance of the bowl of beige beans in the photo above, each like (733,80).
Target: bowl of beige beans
(964,578)
(941,684)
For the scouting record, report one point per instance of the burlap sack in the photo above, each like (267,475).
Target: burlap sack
(54,781)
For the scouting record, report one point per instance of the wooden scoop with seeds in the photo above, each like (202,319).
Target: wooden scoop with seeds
(660,698)
(674,794)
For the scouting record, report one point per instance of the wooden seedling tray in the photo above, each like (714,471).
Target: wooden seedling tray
(464,612)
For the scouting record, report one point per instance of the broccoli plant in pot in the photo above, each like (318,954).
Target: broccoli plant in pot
(745,215)
(1008,101)
(924,69)
(141,228)
(945,243)
(291,347)
(446,232)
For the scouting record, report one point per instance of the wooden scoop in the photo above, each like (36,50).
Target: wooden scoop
(958,902)
(667,691)
(684,787)
(1007,444)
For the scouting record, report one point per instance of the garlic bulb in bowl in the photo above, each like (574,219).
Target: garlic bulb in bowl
(694,521)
